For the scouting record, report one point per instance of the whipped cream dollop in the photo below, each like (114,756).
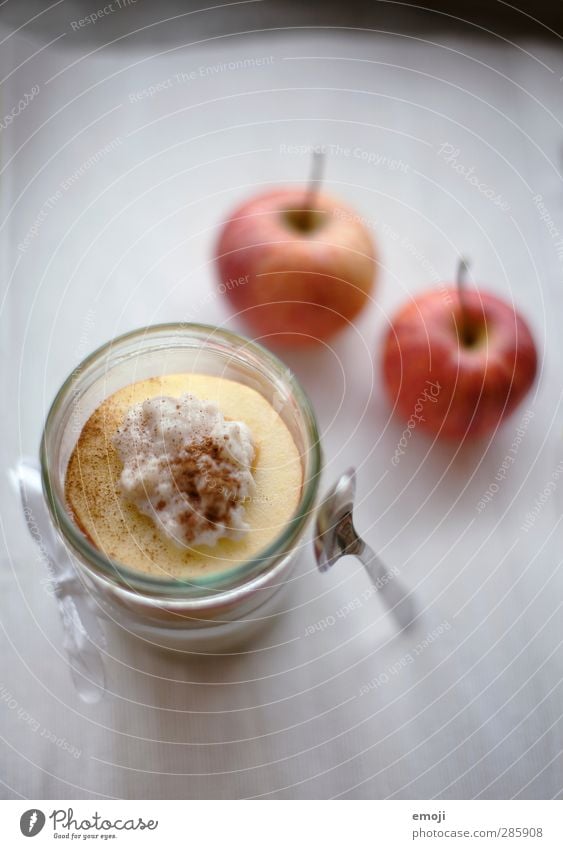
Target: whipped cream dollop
(187,468)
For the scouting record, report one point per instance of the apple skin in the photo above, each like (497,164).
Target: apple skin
(480,383)
(292,287)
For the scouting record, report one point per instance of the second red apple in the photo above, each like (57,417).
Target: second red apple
(457,363)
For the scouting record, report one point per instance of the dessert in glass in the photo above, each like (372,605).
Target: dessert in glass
(181,464)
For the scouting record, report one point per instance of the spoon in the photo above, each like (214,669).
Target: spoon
(336,536)
(82,632)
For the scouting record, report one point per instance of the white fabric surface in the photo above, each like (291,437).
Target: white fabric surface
(478,711)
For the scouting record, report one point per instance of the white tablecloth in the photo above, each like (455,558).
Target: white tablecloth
(469,703)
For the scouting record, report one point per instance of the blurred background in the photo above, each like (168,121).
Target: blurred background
(541,19)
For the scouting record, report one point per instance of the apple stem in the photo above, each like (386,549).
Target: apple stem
(313,187)
(461,283)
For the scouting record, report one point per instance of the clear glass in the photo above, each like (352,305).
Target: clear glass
(156,604)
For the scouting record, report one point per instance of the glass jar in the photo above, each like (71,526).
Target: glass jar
(216,610)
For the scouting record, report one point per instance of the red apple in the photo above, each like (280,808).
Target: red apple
(457,363)
(296,271)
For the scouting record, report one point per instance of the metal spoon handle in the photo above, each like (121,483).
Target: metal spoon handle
(82,631)
(395,596)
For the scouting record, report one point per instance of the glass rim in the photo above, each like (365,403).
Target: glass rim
(223,581)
